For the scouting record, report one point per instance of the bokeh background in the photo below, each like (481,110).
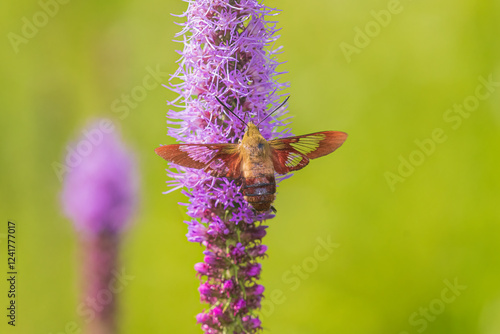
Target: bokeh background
(397,245)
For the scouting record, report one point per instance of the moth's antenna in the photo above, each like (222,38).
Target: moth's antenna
(227,108)
(272,112)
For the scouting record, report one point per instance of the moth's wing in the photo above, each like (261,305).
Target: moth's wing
(220,160)
(293,153)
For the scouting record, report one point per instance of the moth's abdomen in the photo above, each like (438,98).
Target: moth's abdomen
(259,191)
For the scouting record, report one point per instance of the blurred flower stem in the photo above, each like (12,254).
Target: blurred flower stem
(99,265)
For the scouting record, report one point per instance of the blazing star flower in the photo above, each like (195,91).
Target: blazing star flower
(99,196)
(228,54)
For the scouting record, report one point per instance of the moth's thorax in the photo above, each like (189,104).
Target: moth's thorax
(253,144)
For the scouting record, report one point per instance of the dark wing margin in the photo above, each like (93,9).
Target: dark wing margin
(293,153)
(220,160)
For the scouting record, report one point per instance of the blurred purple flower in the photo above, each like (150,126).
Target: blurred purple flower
(229,54)
(99,196)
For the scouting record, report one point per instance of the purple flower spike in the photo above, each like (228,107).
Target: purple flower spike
(99,194)
(228,54)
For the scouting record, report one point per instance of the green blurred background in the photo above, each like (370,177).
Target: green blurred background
(397,245)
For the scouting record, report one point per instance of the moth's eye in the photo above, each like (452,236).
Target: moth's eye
(261,146)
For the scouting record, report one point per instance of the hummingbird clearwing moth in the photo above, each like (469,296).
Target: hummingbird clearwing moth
(254,160)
